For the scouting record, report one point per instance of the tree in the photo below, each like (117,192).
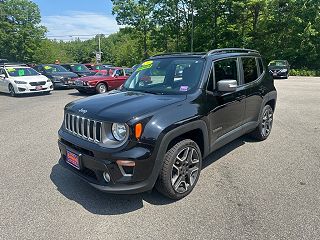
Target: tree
(21,32)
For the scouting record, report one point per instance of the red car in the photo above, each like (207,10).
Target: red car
(102,82)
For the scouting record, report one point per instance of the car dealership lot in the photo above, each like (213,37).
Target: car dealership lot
(247,190)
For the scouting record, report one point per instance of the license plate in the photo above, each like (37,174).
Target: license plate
(275,74)
(73,159)
(38,87)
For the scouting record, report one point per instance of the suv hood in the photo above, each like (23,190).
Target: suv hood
(63,74)
(121,106)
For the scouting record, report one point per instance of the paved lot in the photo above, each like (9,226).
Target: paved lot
(247,190)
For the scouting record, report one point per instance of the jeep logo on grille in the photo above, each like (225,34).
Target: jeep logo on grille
(83,111)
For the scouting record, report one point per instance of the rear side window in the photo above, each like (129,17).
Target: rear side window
(226,70)
(250,70)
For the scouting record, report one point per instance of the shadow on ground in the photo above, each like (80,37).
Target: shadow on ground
(96,202)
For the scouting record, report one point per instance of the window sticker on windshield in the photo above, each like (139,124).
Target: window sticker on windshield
(10,69)
(21,72)
(184,88)
(145,65)
(79,68)
(47,67)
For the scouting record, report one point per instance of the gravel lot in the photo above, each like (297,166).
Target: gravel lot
(247,190)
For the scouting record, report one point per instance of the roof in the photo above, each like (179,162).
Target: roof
(214,52)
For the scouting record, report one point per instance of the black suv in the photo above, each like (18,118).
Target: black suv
(279,69)
(161,124)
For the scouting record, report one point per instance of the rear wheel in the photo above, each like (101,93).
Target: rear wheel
(12,91)
(181,170)
(101,88)
(263,130)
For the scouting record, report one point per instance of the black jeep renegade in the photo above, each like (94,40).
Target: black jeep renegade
(168,116)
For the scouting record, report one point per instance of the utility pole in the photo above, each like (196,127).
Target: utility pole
(192,25)
(99,53)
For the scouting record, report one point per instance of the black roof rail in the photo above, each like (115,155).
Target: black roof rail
(179,53)
(225,50)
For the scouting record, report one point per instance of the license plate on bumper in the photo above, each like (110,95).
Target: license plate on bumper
(73,159)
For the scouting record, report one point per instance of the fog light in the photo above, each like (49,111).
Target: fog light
(106,177)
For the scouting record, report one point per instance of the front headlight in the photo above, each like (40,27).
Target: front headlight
(284,70)
(119,131)
(20,82)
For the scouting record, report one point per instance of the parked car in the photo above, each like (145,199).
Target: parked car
(279,68)
(20,79)
(60,77)
(80,69)
(157,132)
(95,67)
(102,82)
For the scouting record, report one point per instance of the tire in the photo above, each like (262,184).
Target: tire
(11,90)
(101,88)
(181,170)
(264,128)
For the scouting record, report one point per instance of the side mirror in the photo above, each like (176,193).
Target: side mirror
(227,85)
(2,76)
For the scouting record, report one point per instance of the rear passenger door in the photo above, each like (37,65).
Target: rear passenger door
(226,109)
(253,73)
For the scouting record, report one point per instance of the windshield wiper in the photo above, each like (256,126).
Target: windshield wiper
(152,92)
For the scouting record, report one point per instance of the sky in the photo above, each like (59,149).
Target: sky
(67,19)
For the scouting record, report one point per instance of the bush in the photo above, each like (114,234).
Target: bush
(305,72)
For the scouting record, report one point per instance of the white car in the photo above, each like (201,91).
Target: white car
(20,79)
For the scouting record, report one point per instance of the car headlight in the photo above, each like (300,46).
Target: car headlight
(20,82)
(119,131)
(284,70)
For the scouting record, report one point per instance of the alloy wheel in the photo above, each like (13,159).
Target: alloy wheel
(185,169)
(267,121)
(11,90)
(102,88)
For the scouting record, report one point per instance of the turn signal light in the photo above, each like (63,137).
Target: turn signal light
(138,130)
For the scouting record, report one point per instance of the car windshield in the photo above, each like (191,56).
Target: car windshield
(54,68)
(166,76)
(79,68)
(102,74)
(278,63)
(21,72)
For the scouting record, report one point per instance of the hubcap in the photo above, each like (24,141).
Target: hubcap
(102,89)
(185,169)
(267,122)
(11,89)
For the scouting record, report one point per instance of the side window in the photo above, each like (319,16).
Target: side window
(2,71)
(121,72)
(250,70)
(226,70)
(260,65)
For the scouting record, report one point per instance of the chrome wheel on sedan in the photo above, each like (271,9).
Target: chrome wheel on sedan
(267,120)
(102,88)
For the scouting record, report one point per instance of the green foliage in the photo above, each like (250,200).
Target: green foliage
(20,32)
(305,72)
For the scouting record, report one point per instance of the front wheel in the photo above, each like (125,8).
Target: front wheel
(181,170)
(12,91)
(263,130)
(101,88)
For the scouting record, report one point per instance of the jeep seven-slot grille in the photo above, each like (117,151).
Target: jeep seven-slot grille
(83,127)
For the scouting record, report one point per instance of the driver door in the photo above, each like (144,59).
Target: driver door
(226,109)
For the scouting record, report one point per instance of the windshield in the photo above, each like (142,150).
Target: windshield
(166,76)
(21,72)
(79,68)
(102,74)
(278,63)
(54,68)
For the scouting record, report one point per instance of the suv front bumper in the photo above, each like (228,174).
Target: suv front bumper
(94,161)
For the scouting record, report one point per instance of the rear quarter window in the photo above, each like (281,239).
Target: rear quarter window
(250,69)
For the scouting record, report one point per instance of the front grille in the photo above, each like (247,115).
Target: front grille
(37,83)
(88,129)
